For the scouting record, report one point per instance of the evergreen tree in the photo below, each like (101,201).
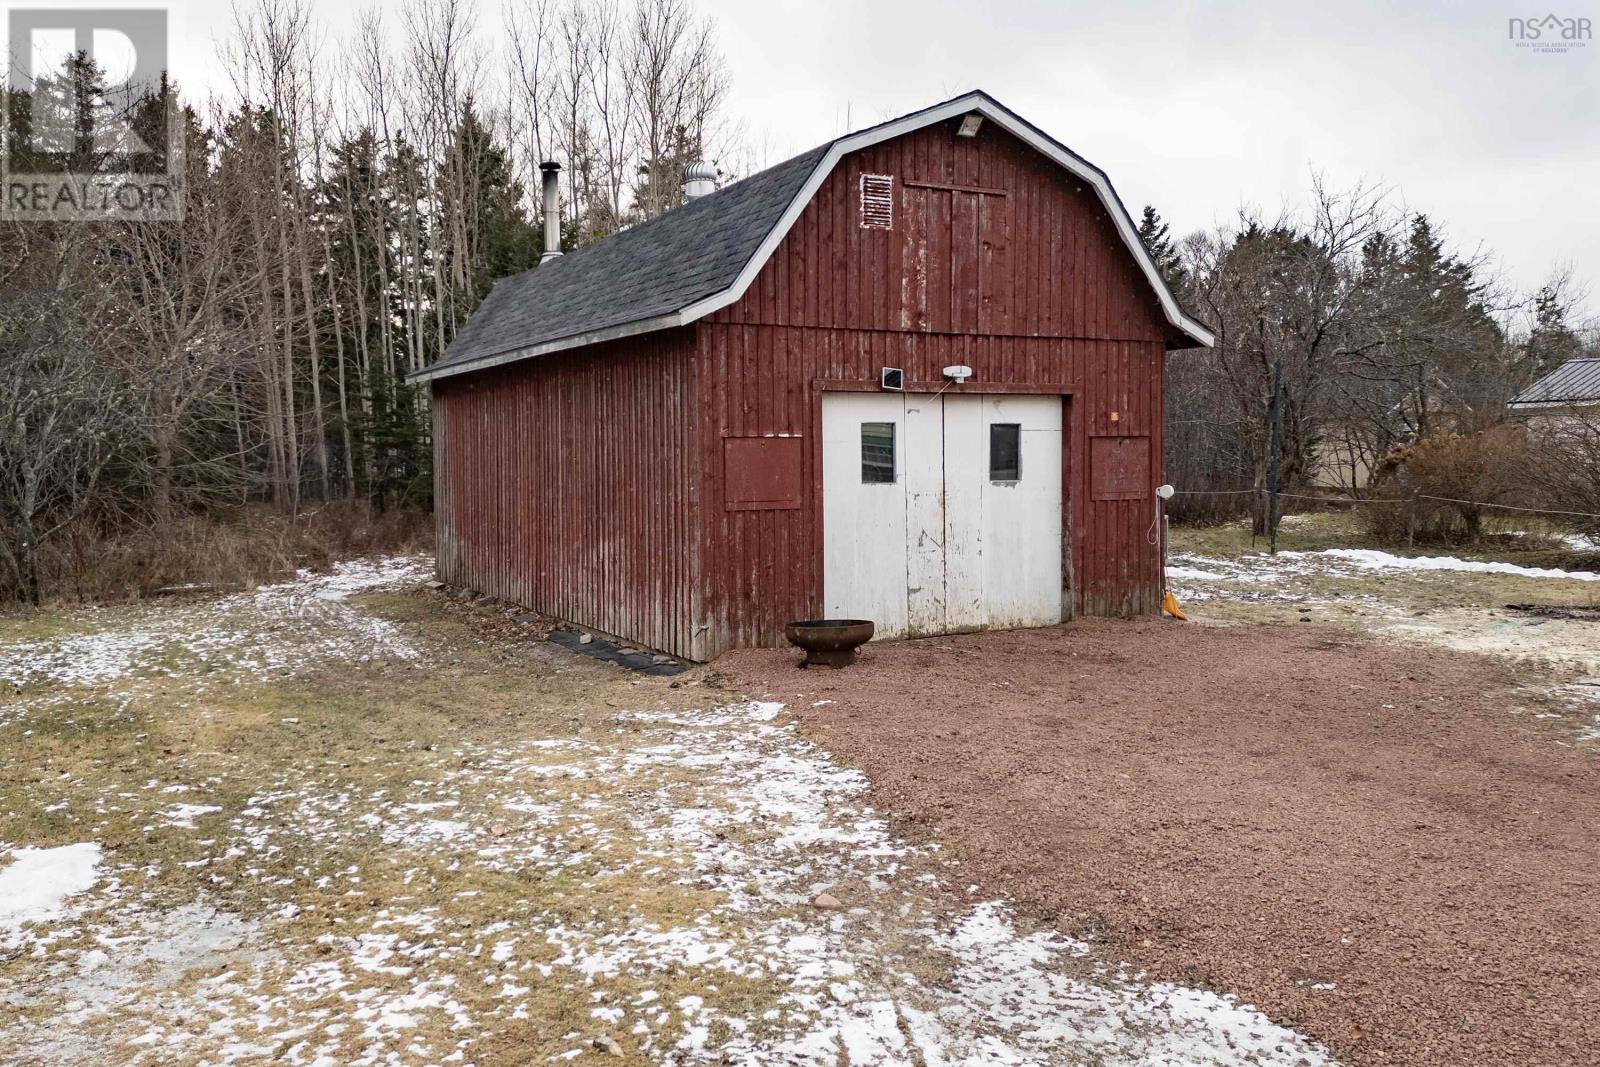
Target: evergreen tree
(1444,326)
(395,432)
(1156,238)
(495,235)
(660,180)
(1552,341)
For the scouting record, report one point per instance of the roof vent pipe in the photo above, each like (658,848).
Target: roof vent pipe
(699,178)
(551,173)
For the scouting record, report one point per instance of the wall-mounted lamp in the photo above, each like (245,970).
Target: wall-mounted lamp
(958,374)
(970,124)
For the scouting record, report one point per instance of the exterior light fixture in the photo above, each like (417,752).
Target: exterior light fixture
(970,125)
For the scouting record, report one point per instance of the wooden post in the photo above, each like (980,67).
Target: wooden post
(1274,453)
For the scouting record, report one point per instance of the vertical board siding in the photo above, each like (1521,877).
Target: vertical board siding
(1032,288)
(1051,263)
(564,483)
(761,569)
(589,484)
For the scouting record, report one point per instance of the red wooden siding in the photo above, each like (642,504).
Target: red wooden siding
(565,483)
(763,568)
(997,259)
(1049,262)
(596,486)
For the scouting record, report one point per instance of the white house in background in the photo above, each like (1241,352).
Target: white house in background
(1339,459)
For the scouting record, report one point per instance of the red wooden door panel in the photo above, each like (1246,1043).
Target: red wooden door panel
(994,264)
(957,252)
(964,231)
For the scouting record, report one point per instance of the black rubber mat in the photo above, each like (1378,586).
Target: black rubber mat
(610,652)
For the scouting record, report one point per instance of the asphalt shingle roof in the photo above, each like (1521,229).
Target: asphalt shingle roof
(1576,381)
(651,269)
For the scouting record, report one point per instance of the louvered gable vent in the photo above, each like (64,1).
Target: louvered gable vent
(877,201)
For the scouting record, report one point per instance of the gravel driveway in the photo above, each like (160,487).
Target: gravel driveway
(1384,847)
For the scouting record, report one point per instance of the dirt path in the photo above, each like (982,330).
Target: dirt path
(1375,844)
(345,821)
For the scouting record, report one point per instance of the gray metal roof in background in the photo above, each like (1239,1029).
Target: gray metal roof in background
(1576,381)
(651,269)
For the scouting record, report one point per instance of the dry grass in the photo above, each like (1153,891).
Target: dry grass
(1356,593)
(1521,539)
(218,552)
(353,744)
(434,836)
(323,787)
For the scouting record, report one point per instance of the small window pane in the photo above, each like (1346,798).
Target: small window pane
(877,453)
(1005,452)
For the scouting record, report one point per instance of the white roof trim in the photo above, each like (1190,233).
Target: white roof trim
(978,102)
(985,105)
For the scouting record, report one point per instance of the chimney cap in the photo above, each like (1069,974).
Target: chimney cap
(549,165)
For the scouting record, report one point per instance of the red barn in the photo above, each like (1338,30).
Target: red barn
(682,436)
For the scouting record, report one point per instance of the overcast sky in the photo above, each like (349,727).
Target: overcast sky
(1197,108)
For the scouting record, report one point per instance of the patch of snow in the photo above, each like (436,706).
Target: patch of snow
(35,885)
(1192,573)
(184,815)
(277,629)
(765,710)
(1015,981)
(769,818)
(729,817)
(1372,559)
(79,659)
(1345,562)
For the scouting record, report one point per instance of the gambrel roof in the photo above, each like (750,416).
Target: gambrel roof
(698,258)
(1577,381)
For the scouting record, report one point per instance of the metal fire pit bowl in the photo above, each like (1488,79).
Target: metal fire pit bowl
(829,642)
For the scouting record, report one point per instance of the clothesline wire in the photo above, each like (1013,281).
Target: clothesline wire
(1394,500)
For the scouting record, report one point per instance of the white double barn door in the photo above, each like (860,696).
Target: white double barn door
(941,513)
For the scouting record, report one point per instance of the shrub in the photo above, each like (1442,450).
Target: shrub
(1435,490)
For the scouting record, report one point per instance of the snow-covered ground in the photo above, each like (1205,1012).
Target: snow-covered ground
(274,630)
(694,883)
(728,804)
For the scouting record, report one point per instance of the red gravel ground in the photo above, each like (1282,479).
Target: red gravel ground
(1260,810)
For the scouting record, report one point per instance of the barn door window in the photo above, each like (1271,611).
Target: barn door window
(877,453)
(1005,452)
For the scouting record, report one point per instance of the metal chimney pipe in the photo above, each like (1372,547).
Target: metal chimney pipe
(699,178)
(550,171)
